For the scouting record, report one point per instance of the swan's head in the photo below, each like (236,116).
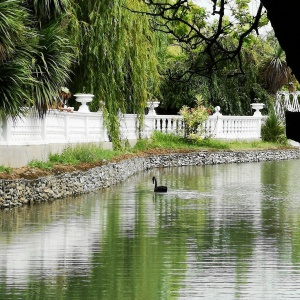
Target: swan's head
(153,179)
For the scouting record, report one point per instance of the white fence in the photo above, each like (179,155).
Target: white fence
(56,127)
(286,101)
(60,129)
(65,127)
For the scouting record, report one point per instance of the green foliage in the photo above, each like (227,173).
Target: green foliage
(40,164)
(36,52)
(83,154)
(5,169)
(275,72)
(49,9)
(273,130)
(118,59)
(232,93)
(51,67)
(194,119)
(165,141)
(235,93)
(15,68)
(158,142)
(179,93)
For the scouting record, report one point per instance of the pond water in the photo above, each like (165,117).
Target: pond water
(221,232)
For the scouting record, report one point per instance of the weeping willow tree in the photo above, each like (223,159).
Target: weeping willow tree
(118,60)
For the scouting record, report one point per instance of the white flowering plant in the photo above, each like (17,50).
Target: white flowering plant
(194,119)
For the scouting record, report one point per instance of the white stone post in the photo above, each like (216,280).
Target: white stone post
(218,123)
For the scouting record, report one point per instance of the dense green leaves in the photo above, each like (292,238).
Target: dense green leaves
(118,62)
(52,63)
(35,53)
(273,130)
(110,48)
(15,71)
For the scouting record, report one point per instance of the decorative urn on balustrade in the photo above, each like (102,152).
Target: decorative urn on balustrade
(152,105)
(84,99)
(257,107)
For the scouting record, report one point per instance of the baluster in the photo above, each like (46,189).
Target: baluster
(232,128)
(249,128)
(238,129)
(296,101)
(206,128)
(169,126)
(228,128)
(180,126)
(287,104)
(225,130)
(156,124)
(160,125)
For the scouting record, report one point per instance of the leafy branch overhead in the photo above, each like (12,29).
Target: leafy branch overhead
(208,34)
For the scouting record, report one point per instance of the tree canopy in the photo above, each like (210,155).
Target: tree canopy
(35,52)
(119,51)
(211,34)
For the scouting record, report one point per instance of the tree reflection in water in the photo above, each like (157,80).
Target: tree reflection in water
(219,229)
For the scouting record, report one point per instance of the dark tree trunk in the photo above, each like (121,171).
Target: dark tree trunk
(284,16)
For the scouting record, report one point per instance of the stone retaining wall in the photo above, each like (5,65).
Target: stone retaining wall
(22,191)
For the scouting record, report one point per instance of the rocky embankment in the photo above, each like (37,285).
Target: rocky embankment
(21,191)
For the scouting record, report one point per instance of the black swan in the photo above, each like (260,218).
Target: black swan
(161,188)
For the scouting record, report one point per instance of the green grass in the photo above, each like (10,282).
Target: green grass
(170,141)
(5,169)
(158,141)
(83,154)
(40,164)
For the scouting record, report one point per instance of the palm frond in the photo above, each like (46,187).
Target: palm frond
(49,9)
(52,63)
(275,71)
(14,75)
(13,29)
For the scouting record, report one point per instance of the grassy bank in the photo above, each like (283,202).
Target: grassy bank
(85,157)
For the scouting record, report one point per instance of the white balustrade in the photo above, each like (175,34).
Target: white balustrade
(128,126)
(286,101)
(66,128)
(75,127)
(56,127)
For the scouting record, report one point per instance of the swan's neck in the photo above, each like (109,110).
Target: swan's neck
(155,183)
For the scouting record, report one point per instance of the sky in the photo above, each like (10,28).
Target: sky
(254,4)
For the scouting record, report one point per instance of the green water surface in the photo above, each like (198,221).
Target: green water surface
(221,232)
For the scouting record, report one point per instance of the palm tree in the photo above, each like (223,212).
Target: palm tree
(51,63)
(35,52)
(15,56)
(275,71)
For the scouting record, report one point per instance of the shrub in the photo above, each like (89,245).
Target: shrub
(194,119)
(273,130)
